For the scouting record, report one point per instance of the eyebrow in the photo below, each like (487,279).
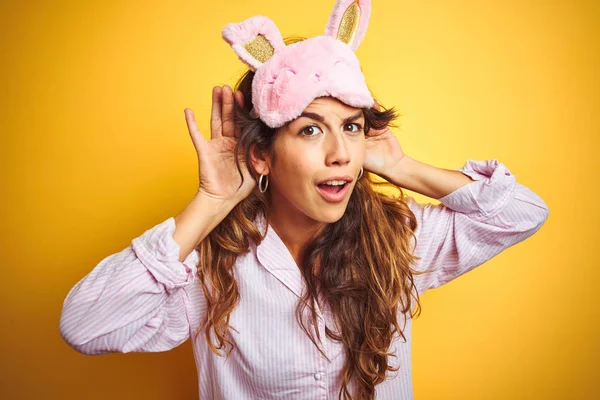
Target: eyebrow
(320,118)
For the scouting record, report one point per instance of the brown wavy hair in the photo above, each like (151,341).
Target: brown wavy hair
(367,275)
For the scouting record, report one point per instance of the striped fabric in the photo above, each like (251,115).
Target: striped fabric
(143,299)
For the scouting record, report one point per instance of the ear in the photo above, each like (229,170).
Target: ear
(348,21)
(260,161)
(254,40)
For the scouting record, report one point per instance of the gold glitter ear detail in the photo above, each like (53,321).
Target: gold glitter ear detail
(260,48)
(349,23)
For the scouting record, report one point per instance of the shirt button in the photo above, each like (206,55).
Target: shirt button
(507,173)
(318,376)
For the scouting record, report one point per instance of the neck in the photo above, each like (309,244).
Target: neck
(295,229)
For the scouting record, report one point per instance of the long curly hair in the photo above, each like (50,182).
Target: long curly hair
(367,276)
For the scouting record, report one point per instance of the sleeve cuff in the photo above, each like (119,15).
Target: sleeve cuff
(159,253)
(493,187)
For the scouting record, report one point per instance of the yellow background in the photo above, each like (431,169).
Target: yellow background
(94,151)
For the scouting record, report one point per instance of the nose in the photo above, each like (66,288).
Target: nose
(337,150)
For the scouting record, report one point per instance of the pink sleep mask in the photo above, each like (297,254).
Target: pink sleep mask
(289,77)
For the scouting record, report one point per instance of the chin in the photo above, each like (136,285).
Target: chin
(332,215)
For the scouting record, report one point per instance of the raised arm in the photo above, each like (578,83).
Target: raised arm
(474,223)
(135,300)
(132,300)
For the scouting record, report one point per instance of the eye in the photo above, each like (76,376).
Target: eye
(309,129)
(358,127)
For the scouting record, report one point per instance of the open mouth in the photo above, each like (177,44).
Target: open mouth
(332,188)
(333,193)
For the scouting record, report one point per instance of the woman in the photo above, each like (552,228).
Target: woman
(294,277)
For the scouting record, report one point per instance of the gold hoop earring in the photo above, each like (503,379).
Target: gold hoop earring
(361,173)
(260,180)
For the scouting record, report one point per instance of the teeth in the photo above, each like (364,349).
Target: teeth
(338,183)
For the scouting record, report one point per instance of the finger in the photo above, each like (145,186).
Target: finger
(216,125)
(195,133)
(227,111)
(239,98)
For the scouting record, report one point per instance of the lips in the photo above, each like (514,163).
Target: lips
(333,194)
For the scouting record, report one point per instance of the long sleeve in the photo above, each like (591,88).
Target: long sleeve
(132,300)
(474,223)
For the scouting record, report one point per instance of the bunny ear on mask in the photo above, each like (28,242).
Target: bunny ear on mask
(348,21)
(288,78)
(254,40)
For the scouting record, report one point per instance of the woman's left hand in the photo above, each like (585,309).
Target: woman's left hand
(383,151)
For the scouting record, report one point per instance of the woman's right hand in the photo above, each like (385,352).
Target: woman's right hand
(219,176)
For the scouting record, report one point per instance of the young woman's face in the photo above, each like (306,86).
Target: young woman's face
(326,142)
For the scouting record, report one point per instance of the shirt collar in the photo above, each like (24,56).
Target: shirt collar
(275,257)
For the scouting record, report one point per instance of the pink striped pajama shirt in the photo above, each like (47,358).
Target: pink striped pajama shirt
(143,299)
